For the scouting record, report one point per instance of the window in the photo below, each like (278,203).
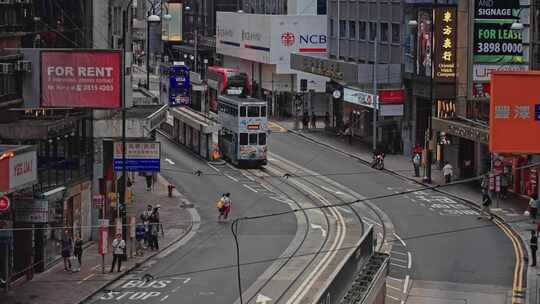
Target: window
(243,139)
(362,30)
(331,27)
(242,111)
(372,31)
(352,29)
(342,29)
(384,32)
(253,111)
(262,139)
(253,139)
(263,111)
(395,33)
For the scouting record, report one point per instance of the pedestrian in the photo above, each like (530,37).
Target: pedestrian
(305,120)
(416,164)
(327,120)
(140,233)
(448,171)
(145,218)
(504,186)
(533,244)
(219,206)
(78,251)
(155,218)
(486,204)
(226,206)
(118,246)
(154,234)
(148,182)
(313,120)
(485,183)
(67,248)
(533,207)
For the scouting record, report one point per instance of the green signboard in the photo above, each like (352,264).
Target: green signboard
(496,42)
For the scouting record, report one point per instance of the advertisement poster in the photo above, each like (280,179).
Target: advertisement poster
(445,43)
(514,116)
(496,42)
(425,49)
(140,156)
(81,79)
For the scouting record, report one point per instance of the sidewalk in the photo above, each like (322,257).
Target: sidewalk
(56,286)
(510,210)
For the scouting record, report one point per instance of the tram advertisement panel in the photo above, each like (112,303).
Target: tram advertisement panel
(252,152)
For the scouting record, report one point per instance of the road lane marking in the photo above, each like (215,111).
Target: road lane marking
(267,188)
(395,279)
(86,278)
(401,240)
(398,260)
(398,252)
(323,231)
(517,284)
(406,284)
(345,210)
(400,266)
(393,298)
(410,259)
(250,188)
(212,166)
(164,298)
(371,221)
(233,178)
(392,287)
(249,177)
(169,161)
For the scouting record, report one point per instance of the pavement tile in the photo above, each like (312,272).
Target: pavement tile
(72,287)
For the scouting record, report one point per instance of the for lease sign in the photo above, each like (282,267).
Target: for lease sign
(81,79)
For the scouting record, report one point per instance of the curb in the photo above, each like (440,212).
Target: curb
(469,202)
(132,267)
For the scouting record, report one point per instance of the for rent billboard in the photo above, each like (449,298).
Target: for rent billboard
(514,116)
(81,79)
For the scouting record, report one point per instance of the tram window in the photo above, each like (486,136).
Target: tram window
(263,111)
(253,111)
(253,139)
(262,139)
(242,111)
(243,139)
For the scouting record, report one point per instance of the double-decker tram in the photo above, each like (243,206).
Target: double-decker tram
(226,81)
(244,130)
(174,84)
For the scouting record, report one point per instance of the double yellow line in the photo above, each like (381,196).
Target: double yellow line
(518,293)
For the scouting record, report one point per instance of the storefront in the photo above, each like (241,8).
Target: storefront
(18,165)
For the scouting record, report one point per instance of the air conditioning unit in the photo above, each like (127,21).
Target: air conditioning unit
(6,68)
(6,1)
(23,66)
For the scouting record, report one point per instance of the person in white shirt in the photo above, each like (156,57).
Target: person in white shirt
(118,246)
(448,171)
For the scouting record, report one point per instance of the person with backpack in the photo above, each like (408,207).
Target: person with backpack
(77,252)
(486,204)
(226,206)
(220,207)
(416,164)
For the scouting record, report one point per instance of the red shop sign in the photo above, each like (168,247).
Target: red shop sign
(4,203)
(394,96)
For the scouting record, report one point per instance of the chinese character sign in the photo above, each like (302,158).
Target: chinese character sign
(445,43)
(514,112)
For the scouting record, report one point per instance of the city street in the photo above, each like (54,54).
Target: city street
(436,243)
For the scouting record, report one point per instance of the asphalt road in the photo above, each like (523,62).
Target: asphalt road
(447,241)
(203,270)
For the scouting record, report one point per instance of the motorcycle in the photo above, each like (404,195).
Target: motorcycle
(378,161)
